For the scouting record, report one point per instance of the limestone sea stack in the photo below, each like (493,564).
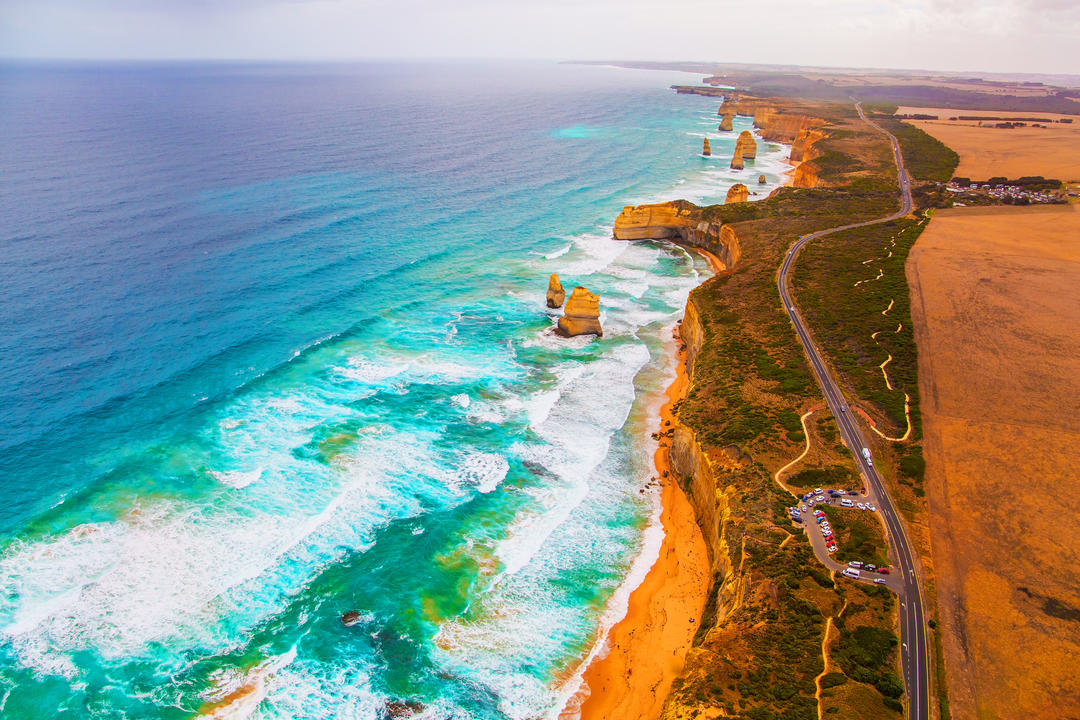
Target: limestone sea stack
(582,314)
(727,123)
(747,145)
(761,179)
(737,193)
(555,294)
(706,150)
(737,161)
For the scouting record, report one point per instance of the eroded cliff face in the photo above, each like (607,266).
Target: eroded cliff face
(806,176)
(802,145)
(727,122)
(680,221)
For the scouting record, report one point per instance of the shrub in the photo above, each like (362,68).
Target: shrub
(833,679)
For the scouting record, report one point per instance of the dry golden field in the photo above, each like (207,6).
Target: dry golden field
(996,306)
(1053,151)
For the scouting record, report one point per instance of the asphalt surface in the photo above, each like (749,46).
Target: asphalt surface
(904,579)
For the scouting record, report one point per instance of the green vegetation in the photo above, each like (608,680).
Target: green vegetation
(842,297)
(927,158)
(758,647)
(858,534)
(833,476)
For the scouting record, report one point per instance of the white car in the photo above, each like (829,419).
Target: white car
(870,507)
(880,581)
(860,506)
(832,548)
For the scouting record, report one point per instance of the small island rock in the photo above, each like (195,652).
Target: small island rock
(707,150)
(555,293)
(350,618)
(761,179)
(582,314)
(737,193)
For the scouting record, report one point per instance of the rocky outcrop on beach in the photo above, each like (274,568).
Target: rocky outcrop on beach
(737,193)
(706,150)
(728,122)
(582,314)
(762,179)
(681,222)
(555,293)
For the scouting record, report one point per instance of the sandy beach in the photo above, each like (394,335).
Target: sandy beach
(647,648)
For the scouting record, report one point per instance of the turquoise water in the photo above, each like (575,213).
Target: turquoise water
(277,350)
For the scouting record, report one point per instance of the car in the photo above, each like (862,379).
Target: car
(832,548)
(843,409)
(870,507)
(817,491)
(860,506)
(855,564)
(880,581)
(851,573)
(829,538)
(869,567)
(846,503)
(804,508)
(819,513)
(883,571)
(852,492)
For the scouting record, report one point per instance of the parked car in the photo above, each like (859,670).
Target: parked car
(846,503)
(832,548)
(883,571)
(880,581)
(870,507)
(860,506)
(869,567)
(855,564)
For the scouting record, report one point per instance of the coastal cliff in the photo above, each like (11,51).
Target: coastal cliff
(682,222)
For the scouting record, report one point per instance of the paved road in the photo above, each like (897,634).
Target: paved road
(913,655)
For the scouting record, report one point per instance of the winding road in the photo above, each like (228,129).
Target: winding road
(913,650)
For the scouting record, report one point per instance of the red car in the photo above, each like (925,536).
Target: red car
(883,571)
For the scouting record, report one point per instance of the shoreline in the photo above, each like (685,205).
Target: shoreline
(630,677)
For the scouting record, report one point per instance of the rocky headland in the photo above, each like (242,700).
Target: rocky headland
(682,222)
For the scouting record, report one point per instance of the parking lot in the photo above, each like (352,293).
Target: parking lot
(809,515)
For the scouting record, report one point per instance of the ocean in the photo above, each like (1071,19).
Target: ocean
(274,348)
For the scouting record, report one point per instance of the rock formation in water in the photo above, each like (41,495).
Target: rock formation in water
(682,222)
(746,145)
(737,193)
(582,314)
(555,293)
(762,179)
(727,123)
(707,150)
(350,618)
(737,161)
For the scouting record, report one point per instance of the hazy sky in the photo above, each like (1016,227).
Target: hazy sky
(989,35)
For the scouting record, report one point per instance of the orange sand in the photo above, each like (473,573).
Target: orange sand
(648,647)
